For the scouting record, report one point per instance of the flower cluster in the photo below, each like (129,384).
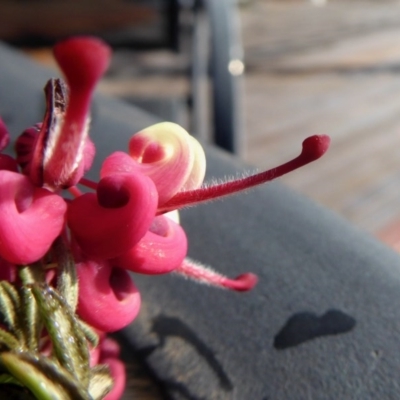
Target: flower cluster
(127,221)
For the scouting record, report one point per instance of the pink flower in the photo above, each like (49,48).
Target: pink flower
(164,170)
(122,221)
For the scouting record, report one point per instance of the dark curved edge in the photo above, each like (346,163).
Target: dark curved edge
(204,343)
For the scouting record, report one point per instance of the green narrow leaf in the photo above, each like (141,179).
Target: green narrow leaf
(9,309)
(29,313)
(45,379)
(69,343)
(12,293)
(101,382)
(91,336)
(67,282)
(30,317)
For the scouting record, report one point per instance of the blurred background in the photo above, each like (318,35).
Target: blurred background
(256,77)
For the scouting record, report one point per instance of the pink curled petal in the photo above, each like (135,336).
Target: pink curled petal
(117,370)
(4,135)
(118,163)
(112,221)
(160,251)
(164,153)
(108,299)
(8,163)
(31,218)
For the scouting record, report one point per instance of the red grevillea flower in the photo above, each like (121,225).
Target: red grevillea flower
(118,221)
(164,170)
